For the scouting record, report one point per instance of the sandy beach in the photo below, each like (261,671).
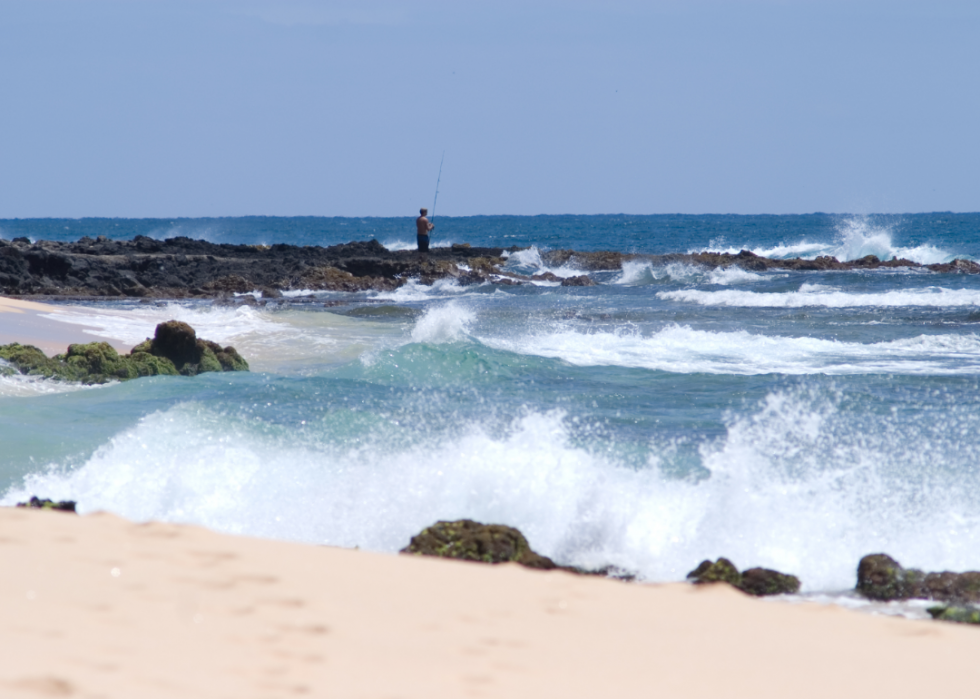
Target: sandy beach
(26,322)
(97,606)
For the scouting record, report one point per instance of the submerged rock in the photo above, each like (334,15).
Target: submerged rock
(174,349)
(580,280)
(467,540)
(881,577)
(760,582)
(45,504)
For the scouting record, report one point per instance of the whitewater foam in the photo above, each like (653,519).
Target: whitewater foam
(681,349)
(797,484)
(448,322)
(855,237)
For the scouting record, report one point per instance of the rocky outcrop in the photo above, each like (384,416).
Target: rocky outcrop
(174,349)
(45,504)
(182,267)
(881,577)
(467,540)
(760,582)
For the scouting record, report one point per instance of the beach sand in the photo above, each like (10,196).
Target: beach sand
(96,606)
(26,322)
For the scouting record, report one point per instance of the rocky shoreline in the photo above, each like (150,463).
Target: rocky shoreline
(186,268)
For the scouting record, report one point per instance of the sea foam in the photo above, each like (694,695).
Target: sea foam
(813,295)
(797,484)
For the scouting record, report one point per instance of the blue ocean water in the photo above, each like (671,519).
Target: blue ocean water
(793,420)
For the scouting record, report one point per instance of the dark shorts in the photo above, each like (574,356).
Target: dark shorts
(423,243)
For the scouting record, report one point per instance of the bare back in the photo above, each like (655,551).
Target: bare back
(423,226)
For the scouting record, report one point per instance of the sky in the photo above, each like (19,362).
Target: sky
(149,108)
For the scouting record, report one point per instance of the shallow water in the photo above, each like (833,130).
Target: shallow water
(793,420)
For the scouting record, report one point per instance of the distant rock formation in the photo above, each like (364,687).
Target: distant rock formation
(881,577)
(760,582)
(174,350)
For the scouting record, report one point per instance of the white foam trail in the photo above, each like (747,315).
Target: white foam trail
(680,349)
(724,276)
(412,291)
(20,386)
(813,295)
(394,245)
(796,485)
(440,324)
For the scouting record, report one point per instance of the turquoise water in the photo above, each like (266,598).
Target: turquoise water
(670,414)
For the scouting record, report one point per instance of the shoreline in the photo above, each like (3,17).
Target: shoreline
(99,606)
(25,322)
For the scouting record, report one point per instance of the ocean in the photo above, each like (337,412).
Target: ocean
(790,420)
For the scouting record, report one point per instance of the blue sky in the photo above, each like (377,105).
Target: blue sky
(210,108)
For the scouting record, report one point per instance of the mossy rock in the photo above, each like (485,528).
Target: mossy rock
(722,570)
(467,540)
(763,582)
(45,504)
(881,577)
(174,349)
(30,360)
(957,614)
(191,356)
(759,582)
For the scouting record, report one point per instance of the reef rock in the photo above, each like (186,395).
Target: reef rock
(760,582)
(472,541)
(173,350)
(881,577)
(45,504)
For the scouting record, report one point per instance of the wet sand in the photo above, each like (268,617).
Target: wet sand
(96,606)
(26,322)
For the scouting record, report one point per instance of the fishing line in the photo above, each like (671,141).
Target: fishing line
(436,197)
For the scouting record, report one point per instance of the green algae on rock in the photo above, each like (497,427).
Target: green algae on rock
(759,582)
(467,540)
(36,503)
(958,614)
(174,350)
(881,577)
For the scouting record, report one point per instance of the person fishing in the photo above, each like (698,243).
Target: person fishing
(423,226)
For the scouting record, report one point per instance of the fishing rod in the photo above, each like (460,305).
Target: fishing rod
(436,197)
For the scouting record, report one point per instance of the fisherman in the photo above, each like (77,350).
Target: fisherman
(423,227)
